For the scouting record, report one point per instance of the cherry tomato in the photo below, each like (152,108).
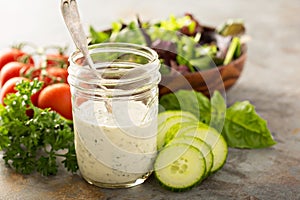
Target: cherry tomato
(53,75)
(58,98)
(49,75)
(10,70)
(34,98)
(58,60)
(14,55)
(30,71)
(9,87)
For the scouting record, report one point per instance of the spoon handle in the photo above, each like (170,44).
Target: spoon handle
(72,19)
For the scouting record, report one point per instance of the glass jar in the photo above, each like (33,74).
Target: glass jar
(115,108)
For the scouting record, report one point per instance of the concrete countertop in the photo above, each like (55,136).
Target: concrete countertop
(270,81)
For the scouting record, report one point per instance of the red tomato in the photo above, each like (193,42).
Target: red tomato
(58,60)
(9,87)
(34,98)
(54,75)
(49,75)
(58,98)
(13,55)
(30,72)
(10,70)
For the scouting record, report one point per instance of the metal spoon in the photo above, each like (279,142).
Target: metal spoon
(72,19)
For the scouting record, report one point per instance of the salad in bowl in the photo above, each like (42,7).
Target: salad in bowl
(193,56)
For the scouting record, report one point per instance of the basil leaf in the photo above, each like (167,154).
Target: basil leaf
(244,128)
(218,111)
(190,101)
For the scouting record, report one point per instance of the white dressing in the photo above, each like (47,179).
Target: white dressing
(117,147)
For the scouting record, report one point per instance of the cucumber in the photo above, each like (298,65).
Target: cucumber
(202,146)
(179,167)
(173,131)
(163,116)
(214,139)
(166,120)
(178,128)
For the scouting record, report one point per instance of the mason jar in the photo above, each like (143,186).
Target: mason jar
(115,107)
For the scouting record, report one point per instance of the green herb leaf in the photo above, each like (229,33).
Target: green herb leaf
(244,128)
(130,34)
(32,144)
(156,33)
(98,37)
(218,111)
(191,54)
(116,26)
(190,101)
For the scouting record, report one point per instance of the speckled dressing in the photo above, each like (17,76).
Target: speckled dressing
(115,148)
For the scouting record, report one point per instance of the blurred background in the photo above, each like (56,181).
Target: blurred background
(41,22)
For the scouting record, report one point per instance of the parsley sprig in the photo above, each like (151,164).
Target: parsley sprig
(38,142)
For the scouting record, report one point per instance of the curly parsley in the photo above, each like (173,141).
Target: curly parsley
(34,143)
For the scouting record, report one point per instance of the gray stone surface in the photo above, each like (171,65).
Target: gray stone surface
(270,81)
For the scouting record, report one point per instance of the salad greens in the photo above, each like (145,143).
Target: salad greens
(234,50)
(196,47)
(34,143)
(240,125)
(175,24)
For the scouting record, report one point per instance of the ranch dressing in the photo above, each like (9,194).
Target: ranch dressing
(115,111)
(118,147)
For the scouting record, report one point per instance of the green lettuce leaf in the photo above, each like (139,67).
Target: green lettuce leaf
(98,37)
(130,34)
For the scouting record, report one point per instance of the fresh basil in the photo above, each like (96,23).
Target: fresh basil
(244,128)
(190,101)
(240,125)
(218,111)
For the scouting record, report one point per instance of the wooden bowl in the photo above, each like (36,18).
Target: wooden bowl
(218,78)
(207,81)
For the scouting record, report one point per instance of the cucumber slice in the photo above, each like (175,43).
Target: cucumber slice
(175,130)
(163,116)
(180,128)
(171,118)
(215,140)
(202,146)
(179,167)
